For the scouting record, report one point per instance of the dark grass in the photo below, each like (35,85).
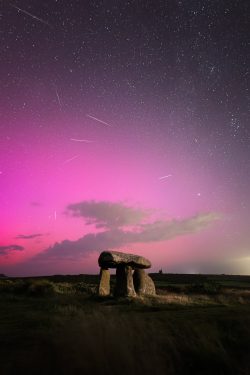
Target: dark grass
(68,330)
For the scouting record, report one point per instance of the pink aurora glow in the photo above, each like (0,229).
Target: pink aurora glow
(43,171)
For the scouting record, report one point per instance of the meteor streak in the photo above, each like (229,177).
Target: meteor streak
(81,140)
(71,159)
(29,14)
(58,98)
(98,120)
(163,177)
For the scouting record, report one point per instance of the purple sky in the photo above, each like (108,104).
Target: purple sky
(124,125)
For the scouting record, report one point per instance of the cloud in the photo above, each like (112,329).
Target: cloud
(164,230)
(107,214)
(35,204)
(6,249)
(28,237)
(115,238)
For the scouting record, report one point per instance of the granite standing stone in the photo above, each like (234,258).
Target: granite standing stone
(124,282)
(104,285)
(143,283)
(139,277)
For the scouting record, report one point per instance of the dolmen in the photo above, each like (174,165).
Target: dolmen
(131,278)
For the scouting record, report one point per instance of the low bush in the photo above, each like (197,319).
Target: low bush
(85,288)
(210,287)
(41,288)
(13,286)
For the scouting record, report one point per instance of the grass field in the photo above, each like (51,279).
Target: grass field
(56,325)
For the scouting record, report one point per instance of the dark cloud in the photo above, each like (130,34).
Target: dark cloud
(29,236)
(115,238)
(107,214)
(6,249)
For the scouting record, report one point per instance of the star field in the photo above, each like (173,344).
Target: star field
(100,100)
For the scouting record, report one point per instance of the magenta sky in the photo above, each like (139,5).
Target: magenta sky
(72,186)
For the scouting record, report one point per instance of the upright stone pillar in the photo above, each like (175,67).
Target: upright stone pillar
(124,282)
(104,284)
(143,283)
(139,281)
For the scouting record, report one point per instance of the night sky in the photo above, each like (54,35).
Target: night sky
(124,125)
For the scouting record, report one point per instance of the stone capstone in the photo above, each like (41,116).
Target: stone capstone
(113,259)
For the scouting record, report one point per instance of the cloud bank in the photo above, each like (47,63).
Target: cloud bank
(107,214)
(28,237)
(114,220)
(4,250)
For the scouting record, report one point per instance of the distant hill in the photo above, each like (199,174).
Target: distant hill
(2,275)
